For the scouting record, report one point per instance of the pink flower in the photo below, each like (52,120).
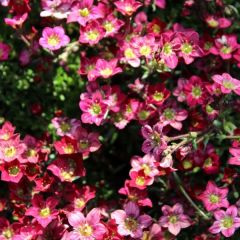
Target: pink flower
(139,179)
(195,91)
(4,51)
(160,3)
(7,131)
(174,219)
(43,211)
(169,47)
(86,228)
(86,142)
(53,38)
(111,24)
(155,141)
(16,21)
(227,83)
(130,222)
(92,33)
(84,12)
(127,7)
(66,145)
(147,163)
(226,221)
(135,195)
(214,197)
(225,46)
(105,69)
(189,48)
(215,22)
(179,90)
(94,108)
(11,149)
(11,171)
(68,167)
(235,159)
(172,115)
(31,153)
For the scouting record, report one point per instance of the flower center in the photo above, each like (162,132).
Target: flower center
(86,230)
(173,219)
(207,45)
(229,85)
(128,53)
(131,224)
(53,40)
(65,127)
(187,164)
(68,149)
(129,9)
(83,144)
(167,49)
(92,35)
(227,222)
(45,212)
(146,168)
(8,233)
(145,50)
(68,176)
(212,23)
(156,138)
(156,28)
(169,113)
(140,181)
(79,202)
(5,136)
(208,162)
(226,49)
(187,48)
(106,72)
(10,151)
(13,170)
(84,12)
(158,96)
(31,152)
(96,109)
(108,27)
(214,198)
(197,92)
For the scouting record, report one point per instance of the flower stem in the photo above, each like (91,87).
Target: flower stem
(183,191)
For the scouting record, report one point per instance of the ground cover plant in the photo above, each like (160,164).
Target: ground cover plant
(119,119)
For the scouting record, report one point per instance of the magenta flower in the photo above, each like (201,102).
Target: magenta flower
(11,171)
(214,197)
(227,83)
(235,159)
(111,24)
(130,222)
(225,46)
(174,219)
(179,90)
(105,69)
(4,51)
(127,7)
(86,228)
(226,221)
(130,55)
(43,211)
(94,108)
(189,48)
(16,21)
(169,48)
(92,33)
(84,12)
(155,141)
(215,22)
(53,38)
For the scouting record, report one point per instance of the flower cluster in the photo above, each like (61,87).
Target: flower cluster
(138,133)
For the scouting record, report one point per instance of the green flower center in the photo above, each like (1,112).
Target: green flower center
(158,96)
(45,212)
(227,222)
(208,162)
(196,92)
(187,164)
(145,50)
(187,48)
(108,26)
(106,72)
(169,113)
(229,85)
(156,138)
(13,170)
(167,49)
(226,49)
(93,35)
(65,127)
(214,198)
(96,109)
(83,144)
(173,219)
(8,233)
(143,115)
